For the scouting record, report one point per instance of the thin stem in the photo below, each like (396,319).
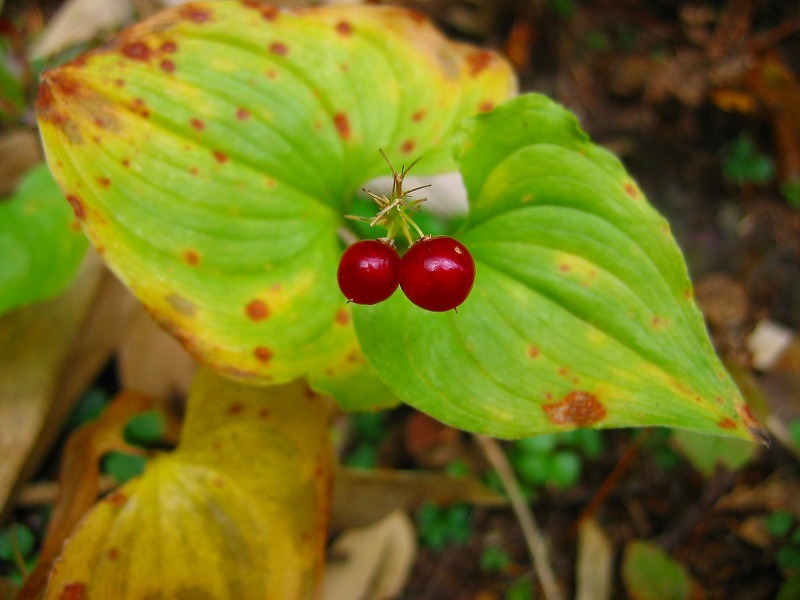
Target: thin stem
(537,547)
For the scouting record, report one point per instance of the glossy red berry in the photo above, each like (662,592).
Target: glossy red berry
(369,272)
(437,273)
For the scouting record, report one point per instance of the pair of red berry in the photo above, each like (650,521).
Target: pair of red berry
(435,273)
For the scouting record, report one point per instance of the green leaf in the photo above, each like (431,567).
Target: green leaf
(705,452)
(213,150)
(123,467)
(779,523)
(40,249)
(15,540)
(564,469)
(790,590)
(650,574)
(146,428)
(582,313)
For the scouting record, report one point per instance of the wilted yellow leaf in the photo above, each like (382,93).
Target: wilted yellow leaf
(239,510)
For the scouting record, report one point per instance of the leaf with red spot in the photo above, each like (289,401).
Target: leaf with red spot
(215,148)
(238,510)
(582,313)
(40,248)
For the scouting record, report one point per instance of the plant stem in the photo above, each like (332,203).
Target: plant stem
(537,547)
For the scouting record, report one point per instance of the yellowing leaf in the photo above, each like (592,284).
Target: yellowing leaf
(211,152)
(239,510)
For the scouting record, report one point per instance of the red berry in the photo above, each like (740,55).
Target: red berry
(437,273)
(369,272)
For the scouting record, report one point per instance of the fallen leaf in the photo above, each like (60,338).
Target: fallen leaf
(373,562)
(594,578)
(238,510)
(707,452)
(153,362)
(79,21)
(34,343)
(362,497)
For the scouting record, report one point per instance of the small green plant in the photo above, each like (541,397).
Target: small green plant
(17,549)
(368,430)
(782,526)
(555,459)
(744,164)
(521,589)
(494,559)
(441,526)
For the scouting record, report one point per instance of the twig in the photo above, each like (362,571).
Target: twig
(537,548)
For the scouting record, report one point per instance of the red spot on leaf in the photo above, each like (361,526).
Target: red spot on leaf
(753,426)
(191,257)
(533,351)
(342,316)
(342,124)
(563,371)
(119,82)
(73,591)
(220,156)
(137,51)
(242,114)
(264,413)
(407,146)
(195,13)
(117,498)
(630,190)
(416,16)
(198,124)
(727,423)
(235,409)
(478,61)
(257,310)
(564,268)
(268,13)
(486,106)
(344,28)
(113,553)
(263,354)
(139,106)
(77,206)
(419,115)
(580,409)
(279,48)
(167,65)
(103,182)
(169,47)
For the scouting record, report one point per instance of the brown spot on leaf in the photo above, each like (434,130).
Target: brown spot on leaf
(753,426)
(344,28)
(407,146)
(279,48)
(419,115)
(126,163)
(564,268)
(220,156)
(113,553)
(194,171)
(478,61)
(416,16)
(195,14)
(630,190)
(73,591)
(191,257)
(169,47)
(257,310)
(727,423)
(342,124)
(167,65)
(137,51)
(139,106)
(578,408)
(117,498)
(242,114)
(264,413)
(77,206)
(342,316)
(659,322)
(486,106)
(263,354)
(268,13)
(103,182)
(533,351)
(197,124)
(235,409)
